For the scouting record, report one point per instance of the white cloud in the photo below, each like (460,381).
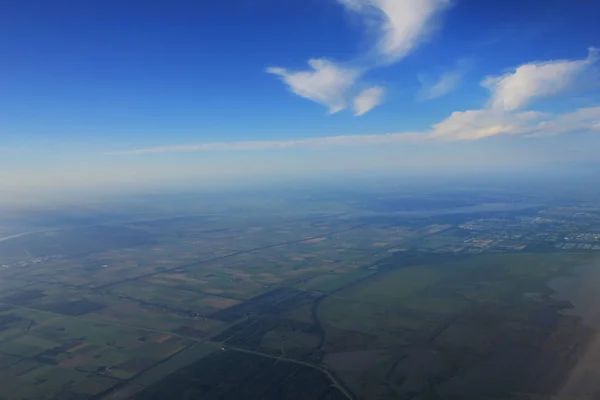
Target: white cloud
(509,93)
(517,89)
(581,120)
(463,125)
(444,84)
(400,25)
(478,124)
(367,100)
(513,91)
(327,84)
(315,143)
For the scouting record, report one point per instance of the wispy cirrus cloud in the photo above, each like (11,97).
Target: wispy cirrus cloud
(315,143)
(398,25)
(367,100)
(460,126)
(444,84)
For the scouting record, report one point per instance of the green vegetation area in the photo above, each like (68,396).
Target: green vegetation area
(331,307)
(436,312)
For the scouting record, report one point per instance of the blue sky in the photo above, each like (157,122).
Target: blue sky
(112,92)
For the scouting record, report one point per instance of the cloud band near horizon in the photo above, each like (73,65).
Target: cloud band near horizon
(501,115)
(460,126)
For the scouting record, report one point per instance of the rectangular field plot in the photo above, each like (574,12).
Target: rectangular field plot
(234,375)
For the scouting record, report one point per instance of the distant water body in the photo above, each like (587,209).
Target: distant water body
(582,290)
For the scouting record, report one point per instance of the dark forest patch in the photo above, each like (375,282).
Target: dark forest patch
(73,308)
(249,334)
(191,332)
(23,297)
(6,320)
(273,302)
(7,359)
(137,364)
(233,375)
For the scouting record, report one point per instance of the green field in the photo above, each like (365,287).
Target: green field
(385,307)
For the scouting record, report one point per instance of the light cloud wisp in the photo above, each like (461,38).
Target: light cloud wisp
(467,125)
(399,25)
(444,84)
(367,100)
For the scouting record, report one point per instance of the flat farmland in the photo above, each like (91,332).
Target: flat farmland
(60,354)
(432,320)
(325,307)
(114,321)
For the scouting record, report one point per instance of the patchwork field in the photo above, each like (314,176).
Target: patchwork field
(326,307)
